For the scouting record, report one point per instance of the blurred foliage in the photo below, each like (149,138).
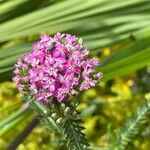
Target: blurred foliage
(117,32)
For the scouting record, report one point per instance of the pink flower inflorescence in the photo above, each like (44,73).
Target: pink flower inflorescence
(56,67)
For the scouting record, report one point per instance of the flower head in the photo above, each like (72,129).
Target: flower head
(56,67)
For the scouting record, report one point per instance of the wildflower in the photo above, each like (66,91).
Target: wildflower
(56,67)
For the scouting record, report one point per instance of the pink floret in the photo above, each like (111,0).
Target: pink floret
(56,67)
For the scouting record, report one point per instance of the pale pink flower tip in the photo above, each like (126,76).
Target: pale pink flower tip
(56,67)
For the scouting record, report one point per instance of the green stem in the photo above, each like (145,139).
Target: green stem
(64,119)
(43,111)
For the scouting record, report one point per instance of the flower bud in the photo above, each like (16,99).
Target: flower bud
(66,110)
(63,106)
(58,121)
(74,113)
(45,112)
(54,115)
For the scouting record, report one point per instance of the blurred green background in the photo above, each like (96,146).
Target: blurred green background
(117,32)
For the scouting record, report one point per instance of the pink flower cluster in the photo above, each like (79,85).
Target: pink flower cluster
(56,67)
